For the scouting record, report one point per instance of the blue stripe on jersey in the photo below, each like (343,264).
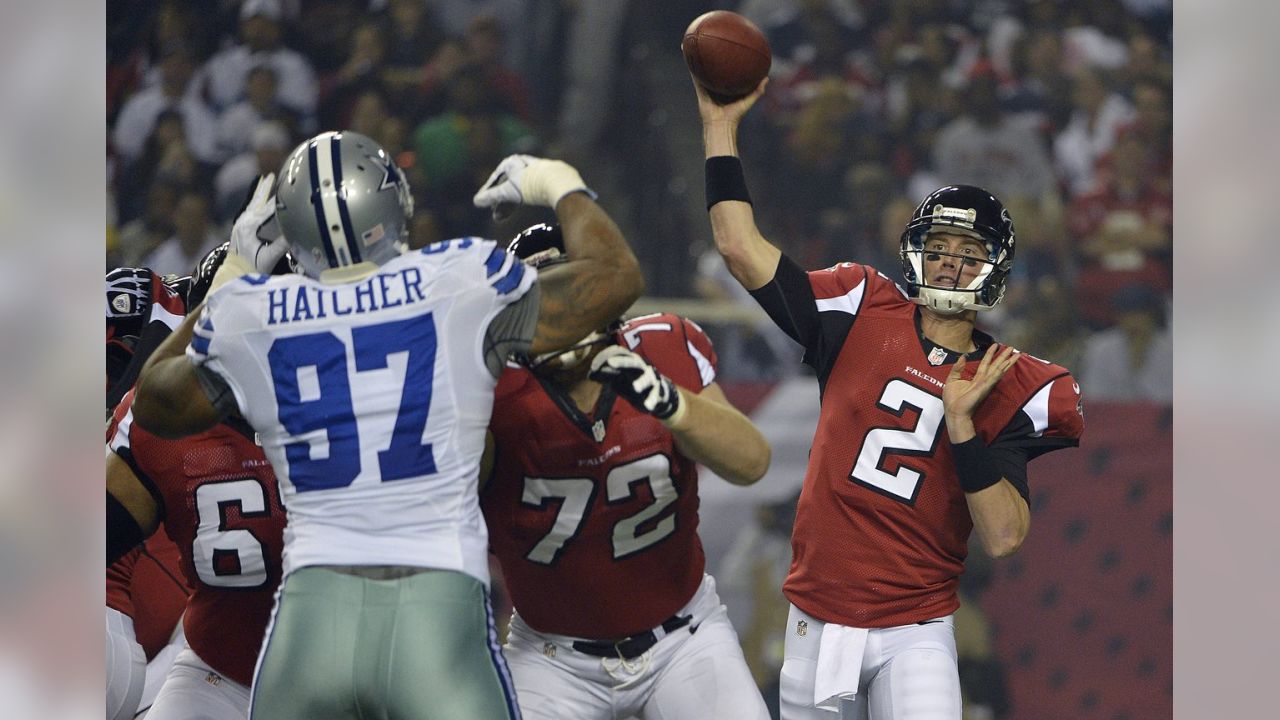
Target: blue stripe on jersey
(511,280)
(495,261)
(335,151)
(200,344)
(318,206)
(206,323)
(255,279)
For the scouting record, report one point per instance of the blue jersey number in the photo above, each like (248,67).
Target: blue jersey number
(323,356)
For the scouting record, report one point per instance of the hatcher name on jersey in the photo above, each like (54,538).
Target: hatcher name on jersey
(382,290)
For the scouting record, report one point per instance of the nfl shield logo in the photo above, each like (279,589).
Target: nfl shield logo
(937,356)
(597,431)
(802,628)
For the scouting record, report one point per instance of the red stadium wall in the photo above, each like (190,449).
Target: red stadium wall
(1082,616)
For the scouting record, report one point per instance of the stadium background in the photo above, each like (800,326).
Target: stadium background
(871,103)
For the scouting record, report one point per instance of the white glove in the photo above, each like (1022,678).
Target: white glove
(256,241)
(256,235)
(529,180)
(639,383)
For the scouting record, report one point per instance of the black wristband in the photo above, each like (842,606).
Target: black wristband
(975,466)
(725,180)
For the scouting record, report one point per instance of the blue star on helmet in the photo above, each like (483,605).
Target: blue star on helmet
(390,173)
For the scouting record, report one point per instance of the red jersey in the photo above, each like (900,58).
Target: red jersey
(221,507)
(147,585)
(594,519)
(882,525)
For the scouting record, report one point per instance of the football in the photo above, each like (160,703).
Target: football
(727,53)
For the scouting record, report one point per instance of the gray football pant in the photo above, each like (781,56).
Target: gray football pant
(421,647)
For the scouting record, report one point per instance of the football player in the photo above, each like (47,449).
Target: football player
(216,495)
(145,590)
(925,431)
(369,379)
(592,507)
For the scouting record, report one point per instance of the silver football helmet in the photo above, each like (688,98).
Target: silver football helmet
(341,201)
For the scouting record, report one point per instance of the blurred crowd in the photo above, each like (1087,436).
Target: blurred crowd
(1061,108)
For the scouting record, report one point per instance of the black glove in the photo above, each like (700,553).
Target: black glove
(636,380)
(202,278)
(128,300)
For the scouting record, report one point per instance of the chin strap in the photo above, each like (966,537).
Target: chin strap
(571,356)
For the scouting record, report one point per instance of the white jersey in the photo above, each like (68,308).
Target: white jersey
(371,400)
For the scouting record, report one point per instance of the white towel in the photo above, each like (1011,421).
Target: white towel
(839,665)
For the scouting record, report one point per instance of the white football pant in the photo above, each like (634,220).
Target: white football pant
(126,667)
(685,676)
(195,691)
(908,672)
(158,670)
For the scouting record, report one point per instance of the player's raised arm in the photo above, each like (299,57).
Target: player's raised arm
(707,428)
(602,278)
(171,399)
(749,256)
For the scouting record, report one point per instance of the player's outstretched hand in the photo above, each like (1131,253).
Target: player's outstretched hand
(636,380)
(529,180)
(961,397)
(256,236)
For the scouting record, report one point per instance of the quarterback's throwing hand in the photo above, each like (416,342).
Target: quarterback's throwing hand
(637,381)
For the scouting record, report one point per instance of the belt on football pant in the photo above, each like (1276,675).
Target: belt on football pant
(636,645)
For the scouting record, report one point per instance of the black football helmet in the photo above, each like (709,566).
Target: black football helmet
(964,210)
(202,276)
(539,245)
(542,246)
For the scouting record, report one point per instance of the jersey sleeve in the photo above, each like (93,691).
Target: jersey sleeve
(509,277)
(511,331)
(1052,419)
(816,308)
(702,352)
(122,434)
(215,332)
(676,346)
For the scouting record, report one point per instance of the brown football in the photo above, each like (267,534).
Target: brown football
(727,53)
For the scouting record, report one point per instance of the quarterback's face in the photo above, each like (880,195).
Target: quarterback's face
(953,260)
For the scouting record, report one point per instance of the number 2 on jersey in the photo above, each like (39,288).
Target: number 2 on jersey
(576,496)
(318,361)
(904,484)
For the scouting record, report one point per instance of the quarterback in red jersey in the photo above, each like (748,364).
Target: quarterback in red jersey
(591,500)
(924,435)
